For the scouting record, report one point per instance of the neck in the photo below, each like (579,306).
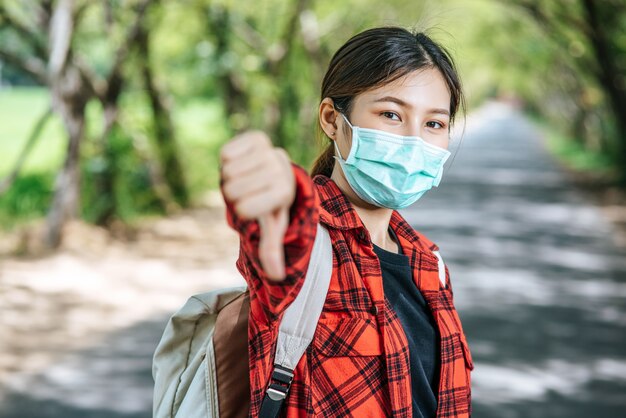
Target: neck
(375,219)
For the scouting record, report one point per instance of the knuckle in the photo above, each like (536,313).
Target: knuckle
(226,172)
(282,153)
(290,191)
(241,137)
(280,193)
(284,194)
(228,191)
(242,209)
(273,168)
(224,154)
(259,138)
(263,137)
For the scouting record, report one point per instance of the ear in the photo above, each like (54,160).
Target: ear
(328,118)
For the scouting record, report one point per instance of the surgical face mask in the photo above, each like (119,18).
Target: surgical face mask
(388,170)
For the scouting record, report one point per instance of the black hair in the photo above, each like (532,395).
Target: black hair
(376,57)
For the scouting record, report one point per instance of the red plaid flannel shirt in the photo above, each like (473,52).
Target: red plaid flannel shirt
(358,362)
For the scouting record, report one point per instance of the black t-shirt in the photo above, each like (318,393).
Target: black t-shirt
(419,327)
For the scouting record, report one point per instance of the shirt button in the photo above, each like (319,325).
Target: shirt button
(362,235)
(374,310)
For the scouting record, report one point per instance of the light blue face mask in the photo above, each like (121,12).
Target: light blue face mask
(388,170)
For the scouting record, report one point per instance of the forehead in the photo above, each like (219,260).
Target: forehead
(420,89)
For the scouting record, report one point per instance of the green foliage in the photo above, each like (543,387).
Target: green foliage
(233,65)
(575,155)
(201,129)
(28,198)
(542,52)
(132,188)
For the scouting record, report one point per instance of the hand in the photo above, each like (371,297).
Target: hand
(259,182)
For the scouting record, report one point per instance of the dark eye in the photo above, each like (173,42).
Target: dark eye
(391,115)
(434,124)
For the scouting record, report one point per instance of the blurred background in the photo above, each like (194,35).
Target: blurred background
(112,114)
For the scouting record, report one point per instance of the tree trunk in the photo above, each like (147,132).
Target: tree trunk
(608,74)
(287,100)
(69,99)
(105,179)
(235,98)
(104,183)
(164,133)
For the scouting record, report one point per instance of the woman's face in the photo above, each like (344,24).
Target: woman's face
(417,104)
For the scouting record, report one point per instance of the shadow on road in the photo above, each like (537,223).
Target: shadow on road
(111,379)
(539,285)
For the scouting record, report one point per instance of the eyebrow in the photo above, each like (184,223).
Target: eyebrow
(401,102)
(440,111)
(393,100)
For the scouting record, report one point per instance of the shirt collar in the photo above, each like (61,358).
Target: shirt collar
(407,233)
(335,208)
(337,211)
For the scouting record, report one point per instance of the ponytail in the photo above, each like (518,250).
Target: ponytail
(325,162)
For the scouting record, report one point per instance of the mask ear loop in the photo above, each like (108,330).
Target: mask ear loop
(338,156)
(346,119)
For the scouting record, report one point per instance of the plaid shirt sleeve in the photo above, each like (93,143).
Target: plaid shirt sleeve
(273,297)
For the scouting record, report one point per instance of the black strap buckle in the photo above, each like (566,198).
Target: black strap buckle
(283,376)
(280,382)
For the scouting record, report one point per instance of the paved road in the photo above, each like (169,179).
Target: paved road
(78,329)
(540,288)
(110,380)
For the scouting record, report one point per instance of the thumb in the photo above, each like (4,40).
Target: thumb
(271,249)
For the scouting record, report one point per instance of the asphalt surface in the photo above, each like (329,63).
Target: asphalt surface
(540,288)
(538,282)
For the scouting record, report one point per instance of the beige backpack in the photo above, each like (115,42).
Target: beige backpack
(200,367)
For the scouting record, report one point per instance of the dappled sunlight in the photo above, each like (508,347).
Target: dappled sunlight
(79,327)
(510,288)
(502,384)
(537,280)
(114,367)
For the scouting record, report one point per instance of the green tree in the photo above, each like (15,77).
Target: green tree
(52,41)
(592,34)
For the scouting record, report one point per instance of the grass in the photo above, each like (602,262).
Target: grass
(20,108)
(200,130)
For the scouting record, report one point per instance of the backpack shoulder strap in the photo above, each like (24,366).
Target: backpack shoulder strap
(299,323)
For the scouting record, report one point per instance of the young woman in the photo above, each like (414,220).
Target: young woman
(389,342)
